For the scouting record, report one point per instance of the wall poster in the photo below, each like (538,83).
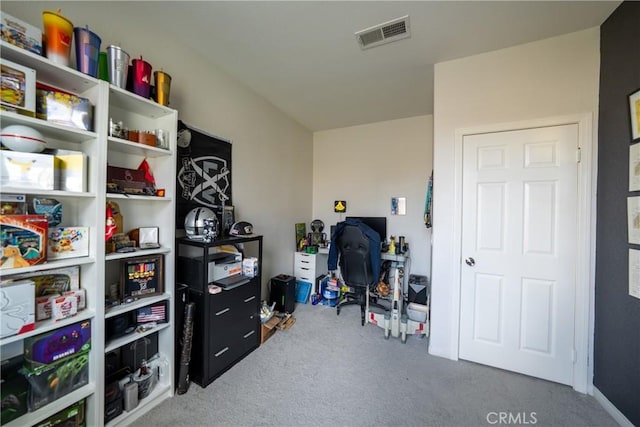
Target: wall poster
(634,167)
(203,172)
(633,219)
(634,273)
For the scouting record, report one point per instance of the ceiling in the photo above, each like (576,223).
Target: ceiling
(303,56)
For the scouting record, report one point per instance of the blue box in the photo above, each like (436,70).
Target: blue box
(303,291)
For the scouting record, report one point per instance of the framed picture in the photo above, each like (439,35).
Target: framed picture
(634,115)
(142,277)
(157,312)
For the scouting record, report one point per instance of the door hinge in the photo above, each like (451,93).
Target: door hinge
(579,155)
(574,355)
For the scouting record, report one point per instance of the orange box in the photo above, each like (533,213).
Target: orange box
(23,240)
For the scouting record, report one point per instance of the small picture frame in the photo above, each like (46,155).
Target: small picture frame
(142,277)
(634,115)
(148,238)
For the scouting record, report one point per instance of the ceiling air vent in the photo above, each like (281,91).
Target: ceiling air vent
(387,32)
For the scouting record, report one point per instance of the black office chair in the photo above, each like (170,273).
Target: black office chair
(354,251)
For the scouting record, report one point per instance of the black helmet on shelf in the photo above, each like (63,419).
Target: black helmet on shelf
(241,228)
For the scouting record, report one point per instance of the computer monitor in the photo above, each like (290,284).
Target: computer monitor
(377,223)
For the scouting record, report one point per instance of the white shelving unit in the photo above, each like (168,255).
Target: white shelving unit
(88,209)
(144,211)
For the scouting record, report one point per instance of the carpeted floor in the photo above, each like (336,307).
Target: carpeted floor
(327,370)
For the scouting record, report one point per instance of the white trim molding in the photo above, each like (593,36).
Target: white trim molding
(611,409)
(586,207)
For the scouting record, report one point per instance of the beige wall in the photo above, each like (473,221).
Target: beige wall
(549,78)
(272,154)
(367,165)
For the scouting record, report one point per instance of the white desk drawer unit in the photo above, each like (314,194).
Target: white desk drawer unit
(307,267)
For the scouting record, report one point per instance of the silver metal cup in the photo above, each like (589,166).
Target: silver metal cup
(118,61)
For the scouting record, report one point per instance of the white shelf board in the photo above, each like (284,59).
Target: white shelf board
(48,129)
(136,197)
(142,302)
(136,148)
(49,325)
(129,101)
(137,253)
(32,418)
(159,393)
(48,72)
(68,262)
(119,342)
(51,193)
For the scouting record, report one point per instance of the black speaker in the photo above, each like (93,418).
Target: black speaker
(283,293)
(418,288)
(120,325)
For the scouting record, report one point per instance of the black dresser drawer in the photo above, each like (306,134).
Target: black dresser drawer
(227,324)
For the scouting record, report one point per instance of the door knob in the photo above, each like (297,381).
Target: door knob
(470,262)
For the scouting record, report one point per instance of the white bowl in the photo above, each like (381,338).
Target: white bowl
(22,138)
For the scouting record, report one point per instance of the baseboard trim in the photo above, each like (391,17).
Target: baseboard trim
(440,352)
(611,409)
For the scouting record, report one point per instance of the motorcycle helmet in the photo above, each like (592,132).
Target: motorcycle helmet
(196,220)
(241,228)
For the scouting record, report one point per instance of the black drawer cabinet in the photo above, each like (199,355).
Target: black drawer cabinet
(227,324)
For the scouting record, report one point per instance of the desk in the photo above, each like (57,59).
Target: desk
(307,267)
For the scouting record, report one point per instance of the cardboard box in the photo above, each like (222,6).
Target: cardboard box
(27,170)
(13,204)
(50,382)
(57,345)
(80,296)
(72,416)
(68,242)
(18,33)
(268,328)
(43,307)
(63,108)
(64,306)
(14,390)
(52,209)
(52,282)
(23,240)
(17,312)
(250,267)
(18,87)
(129,181)
(72,170)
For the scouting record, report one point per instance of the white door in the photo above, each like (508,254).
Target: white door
(518,261)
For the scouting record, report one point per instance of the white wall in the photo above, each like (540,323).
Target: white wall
(549,78)
(366,165)
(272,154)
